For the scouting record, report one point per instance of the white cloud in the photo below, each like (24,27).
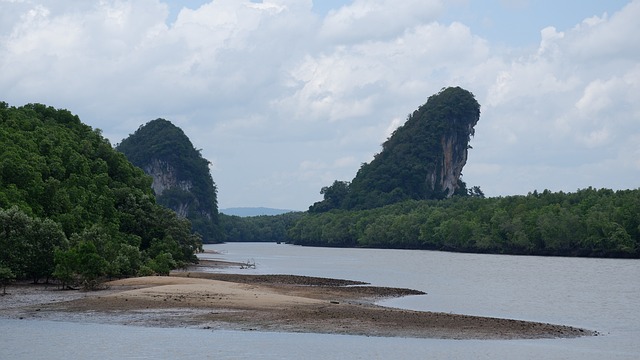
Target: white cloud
(356,80)
(371,20)
(286,101)
(607,39)
(596,96)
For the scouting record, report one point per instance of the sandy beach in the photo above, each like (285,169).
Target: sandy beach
(283,303)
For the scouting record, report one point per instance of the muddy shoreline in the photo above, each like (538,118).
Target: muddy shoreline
(283,303)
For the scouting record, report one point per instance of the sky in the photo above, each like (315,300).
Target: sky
(285,96)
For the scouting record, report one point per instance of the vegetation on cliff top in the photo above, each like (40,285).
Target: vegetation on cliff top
(74,208)
(421,160)
(160,143)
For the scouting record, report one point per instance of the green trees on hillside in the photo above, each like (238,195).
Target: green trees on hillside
(589,222)
(333,197)
(70,205)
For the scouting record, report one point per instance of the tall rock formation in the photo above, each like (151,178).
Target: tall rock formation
(422,159)
(458,112)
(181,177)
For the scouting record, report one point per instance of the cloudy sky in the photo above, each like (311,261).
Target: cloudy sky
(285,96)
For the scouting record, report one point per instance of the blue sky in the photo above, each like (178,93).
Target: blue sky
(285,96)
(518,22)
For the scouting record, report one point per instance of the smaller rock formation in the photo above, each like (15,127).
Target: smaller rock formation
(181,177)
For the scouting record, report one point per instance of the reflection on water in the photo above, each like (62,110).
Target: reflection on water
(599,294)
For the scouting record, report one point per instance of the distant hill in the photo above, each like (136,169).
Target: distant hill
(181,177)
(253,211)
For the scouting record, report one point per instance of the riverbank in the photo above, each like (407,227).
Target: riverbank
(282,303)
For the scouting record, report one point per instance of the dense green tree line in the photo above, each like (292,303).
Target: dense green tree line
(589,222)
(74,208)
(263,228)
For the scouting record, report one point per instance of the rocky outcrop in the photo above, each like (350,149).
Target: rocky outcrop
(181,177)
(455,145)
(423,159)
(165,177)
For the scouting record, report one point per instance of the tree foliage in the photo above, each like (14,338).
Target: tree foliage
(263,228)
(164,144)
(589,222)
(72,206)
(6,277)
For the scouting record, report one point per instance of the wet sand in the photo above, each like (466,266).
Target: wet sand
(262,303)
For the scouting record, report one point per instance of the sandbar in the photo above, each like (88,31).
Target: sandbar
(283,303)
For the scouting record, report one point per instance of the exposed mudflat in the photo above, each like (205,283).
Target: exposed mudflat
(265,303)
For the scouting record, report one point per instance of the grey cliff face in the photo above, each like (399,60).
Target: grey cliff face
(164,177)
(454,158)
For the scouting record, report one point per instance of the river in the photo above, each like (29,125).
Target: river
(597,294)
